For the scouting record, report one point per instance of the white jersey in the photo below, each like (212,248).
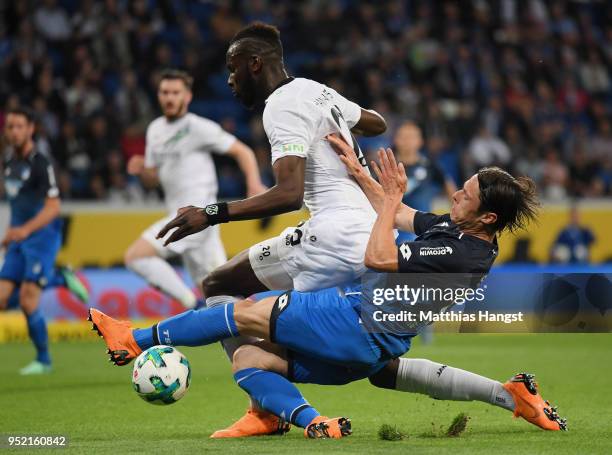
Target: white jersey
(297,117)
(180,150)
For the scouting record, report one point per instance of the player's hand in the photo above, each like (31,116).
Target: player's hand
(15,234)
(391,175)
(255,188)
(188,220)
(345,153)
(136,165)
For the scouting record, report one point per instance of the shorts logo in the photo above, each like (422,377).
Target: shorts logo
(167,339)
(283,300)
(405,250)
(212,209)
(435,251)
(36,268)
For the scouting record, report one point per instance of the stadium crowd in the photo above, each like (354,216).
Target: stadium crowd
(523,84)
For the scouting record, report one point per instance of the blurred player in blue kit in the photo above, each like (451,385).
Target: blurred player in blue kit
(34,236)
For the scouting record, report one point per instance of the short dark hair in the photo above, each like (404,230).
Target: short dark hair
(262,37)
(513,200)
(23,111)
(172,73)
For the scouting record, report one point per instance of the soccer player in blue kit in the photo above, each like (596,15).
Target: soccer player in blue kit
(34,236)
(319,337)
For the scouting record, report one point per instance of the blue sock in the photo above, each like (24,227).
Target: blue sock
(56,280)
(276,394)
(37,328)
(191,328)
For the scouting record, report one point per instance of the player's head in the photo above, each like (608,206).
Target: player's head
(408,141)
(19,126)
(492,201)
(174,92)
(254,53)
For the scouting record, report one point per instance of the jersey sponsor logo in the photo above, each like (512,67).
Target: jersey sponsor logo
(435,251)
(405,250)
(293,148)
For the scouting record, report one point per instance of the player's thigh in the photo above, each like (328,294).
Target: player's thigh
(272,260)
(235,277)
(148,244)
(6,289)
(262,355)
(325,325)
(29,296)
(306,369)
(204,257)
(253,318)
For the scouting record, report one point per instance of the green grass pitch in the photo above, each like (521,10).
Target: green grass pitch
(92,402)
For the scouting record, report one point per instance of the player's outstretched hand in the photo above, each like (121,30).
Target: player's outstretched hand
(391,174)
(188,220)
(346,153)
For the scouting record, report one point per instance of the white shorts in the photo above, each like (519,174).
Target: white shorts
(317,254)
(201,253)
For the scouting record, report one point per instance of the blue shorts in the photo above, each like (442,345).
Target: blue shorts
(325,340)
(32,259)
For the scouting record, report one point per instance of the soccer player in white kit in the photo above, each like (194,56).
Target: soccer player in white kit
(329,248)
(178,155)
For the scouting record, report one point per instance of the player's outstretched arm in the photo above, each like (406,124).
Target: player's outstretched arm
(287,195)
(244,156)
(372,189)
(148,175)
(381,252)
(371,123)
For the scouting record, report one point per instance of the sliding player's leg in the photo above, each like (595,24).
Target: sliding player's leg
(519,395)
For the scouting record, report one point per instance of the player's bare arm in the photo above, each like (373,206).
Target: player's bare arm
(381,253)
(373,190)
(247,163)
(371,123)
(48,213)
(285,196)
(148,175)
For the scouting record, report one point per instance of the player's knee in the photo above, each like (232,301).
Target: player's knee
(386,378)
(248,356)
(213,284)
(28,297)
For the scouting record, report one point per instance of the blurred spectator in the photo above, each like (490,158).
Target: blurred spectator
(536,74)
(573,242)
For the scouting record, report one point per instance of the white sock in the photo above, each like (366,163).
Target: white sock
(162,276)
(448,383)
(231,344)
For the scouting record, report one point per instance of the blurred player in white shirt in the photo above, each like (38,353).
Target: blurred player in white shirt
(178,156)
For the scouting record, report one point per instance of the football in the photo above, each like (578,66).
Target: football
(161,375)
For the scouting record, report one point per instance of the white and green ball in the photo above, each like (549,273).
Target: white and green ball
(161,375)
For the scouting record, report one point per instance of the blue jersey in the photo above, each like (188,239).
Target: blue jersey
(578,241)
(28,182)
(425,180)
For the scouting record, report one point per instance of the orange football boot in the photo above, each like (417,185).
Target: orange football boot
(529,405)
(122,346)
(254,423)
(323,427)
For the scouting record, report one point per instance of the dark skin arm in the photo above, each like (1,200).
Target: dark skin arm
(370,124)
(285,196)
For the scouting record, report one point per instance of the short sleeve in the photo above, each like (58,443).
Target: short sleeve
(429,256)
(290,130)
(211,137)
(424,220)
(149,156)
(47,183)
(350,111)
